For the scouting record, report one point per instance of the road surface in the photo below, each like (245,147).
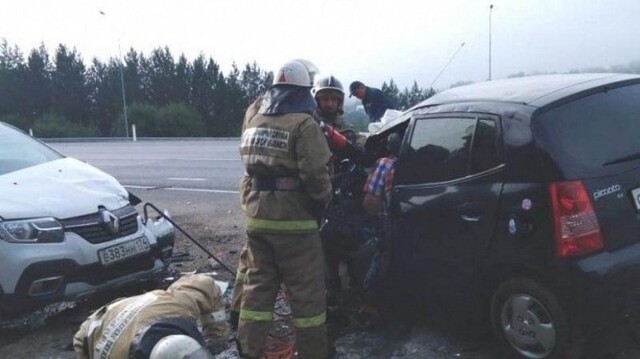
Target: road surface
(199,166)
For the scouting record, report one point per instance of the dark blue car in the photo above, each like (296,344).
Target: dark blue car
(522,197)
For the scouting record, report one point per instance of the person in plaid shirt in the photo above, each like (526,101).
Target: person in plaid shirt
(377,189)
(376,202)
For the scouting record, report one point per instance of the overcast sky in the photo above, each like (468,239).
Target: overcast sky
(366,40)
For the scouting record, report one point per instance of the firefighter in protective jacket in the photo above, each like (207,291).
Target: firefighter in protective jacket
(132,327)
(285,154)
(245,190)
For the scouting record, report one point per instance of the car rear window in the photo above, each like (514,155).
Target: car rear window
(19,151)
(593,136)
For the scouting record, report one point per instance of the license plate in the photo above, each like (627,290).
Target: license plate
(636,197)
(123,251)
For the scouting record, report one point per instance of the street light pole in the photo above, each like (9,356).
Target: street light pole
(490,12)
(124,97)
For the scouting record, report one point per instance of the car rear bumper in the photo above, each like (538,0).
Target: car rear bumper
(604,288)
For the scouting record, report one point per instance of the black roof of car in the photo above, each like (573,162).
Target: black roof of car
(516,95)
(533,90)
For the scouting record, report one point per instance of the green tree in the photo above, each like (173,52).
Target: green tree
(38,81)
(182,85)
(55,126)
(69,91)
(18,121)
(13,89)
(105,93)
(391,90)
(179,119)
(176,119)
(133,77)
(254,81)
(161,77)
(144,116)
(231,102)
(206,77)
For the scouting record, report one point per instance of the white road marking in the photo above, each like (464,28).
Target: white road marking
(154,158)
(182,189)
(185,179)
(201,190)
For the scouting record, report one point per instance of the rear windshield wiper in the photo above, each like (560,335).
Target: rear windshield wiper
(628,158)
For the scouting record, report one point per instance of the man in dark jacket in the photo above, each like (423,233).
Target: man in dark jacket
(374,101)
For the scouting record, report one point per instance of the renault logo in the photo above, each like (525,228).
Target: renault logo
(110,221)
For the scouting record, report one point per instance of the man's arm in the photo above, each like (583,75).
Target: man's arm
(374,189)
(372,203)
(80,340)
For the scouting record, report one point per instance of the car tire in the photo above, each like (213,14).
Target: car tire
(531,320)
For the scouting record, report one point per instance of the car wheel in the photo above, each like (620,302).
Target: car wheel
(530,319)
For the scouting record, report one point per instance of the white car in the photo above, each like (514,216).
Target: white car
(67,229)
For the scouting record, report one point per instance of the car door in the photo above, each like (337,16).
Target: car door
(445,198)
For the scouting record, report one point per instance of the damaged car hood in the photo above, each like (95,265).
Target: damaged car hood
(61,189)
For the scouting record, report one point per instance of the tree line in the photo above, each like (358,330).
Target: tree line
(59,95)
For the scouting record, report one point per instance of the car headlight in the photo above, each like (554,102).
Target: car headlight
(37,230)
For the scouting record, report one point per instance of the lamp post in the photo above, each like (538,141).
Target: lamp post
(124,97)
(490,12)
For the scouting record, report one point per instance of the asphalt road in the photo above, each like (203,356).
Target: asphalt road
(212,166)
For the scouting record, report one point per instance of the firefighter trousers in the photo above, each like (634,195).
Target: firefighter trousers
(297,261)
(236,295)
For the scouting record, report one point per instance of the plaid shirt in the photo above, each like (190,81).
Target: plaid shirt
(381,179)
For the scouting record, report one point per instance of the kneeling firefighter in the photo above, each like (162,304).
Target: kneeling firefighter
(157,324)
(285,155)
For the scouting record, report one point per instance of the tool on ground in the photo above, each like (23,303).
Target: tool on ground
(166,217)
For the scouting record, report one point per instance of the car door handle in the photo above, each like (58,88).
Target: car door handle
(471,211)
(470,218)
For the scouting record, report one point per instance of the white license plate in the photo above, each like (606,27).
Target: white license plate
(123,251)
(636,197)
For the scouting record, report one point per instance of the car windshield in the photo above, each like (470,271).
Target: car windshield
(18,151)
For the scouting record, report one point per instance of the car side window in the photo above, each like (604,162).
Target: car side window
(439,150)
(485,152)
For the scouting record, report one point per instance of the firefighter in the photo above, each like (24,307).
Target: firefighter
(329,97)
(245,189)
(285,153)
(134,327)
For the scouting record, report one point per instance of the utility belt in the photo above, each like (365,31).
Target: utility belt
(276,184)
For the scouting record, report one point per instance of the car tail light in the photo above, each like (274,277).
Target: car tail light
(577,231)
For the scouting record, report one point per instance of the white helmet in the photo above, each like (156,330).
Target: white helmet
(329,83)
(175,346)
(313,69)
(296,72)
